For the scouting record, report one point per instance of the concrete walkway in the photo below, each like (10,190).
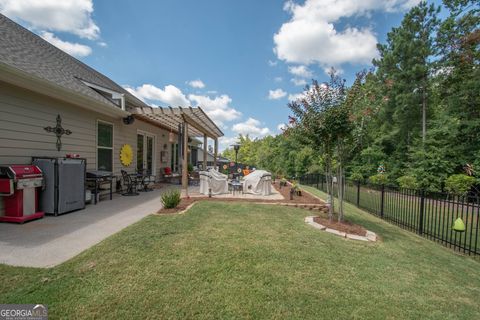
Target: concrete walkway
(52,240)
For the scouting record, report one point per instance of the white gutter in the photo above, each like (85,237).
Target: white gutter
(28,81)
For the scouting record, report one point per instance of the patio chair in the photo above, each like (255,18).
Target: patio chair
(131,184)
(146,179)
(194,178)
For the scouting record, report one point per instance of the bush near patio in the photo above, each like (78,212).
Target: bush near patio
(249,261)
(171,199)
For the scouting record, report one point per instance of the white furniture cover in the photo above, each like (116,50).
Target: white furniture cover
(258,182)
(214,180)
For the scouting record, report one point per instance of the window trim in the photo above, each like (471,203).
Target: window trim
(101,147)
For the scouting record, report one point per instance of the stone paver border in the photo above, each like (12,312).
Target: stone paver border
(371,236)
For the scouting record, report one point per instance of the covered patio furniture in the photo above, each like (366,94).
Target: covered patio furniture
(130,182)
(258,182)
(213,180)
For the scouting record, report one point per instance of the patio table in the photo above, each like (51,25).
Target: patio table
(236,186)
(141,179)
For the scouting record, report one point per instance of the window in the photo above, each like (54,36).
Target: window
(104,146)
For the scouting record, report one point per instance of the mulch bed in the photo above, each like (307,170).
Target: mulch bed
(344,226)
(304,198)
(284,191)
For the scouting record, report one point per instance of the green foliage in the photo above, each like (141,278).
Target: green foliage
(408,182)
(459,183)
(295,185)
(356,176)
(190,167)
(427,74)
(378,178)
(171,199)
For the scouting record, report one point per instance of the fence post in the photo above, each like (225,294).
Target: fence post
(318,179)
(382,201)
(358,193)
(422,210)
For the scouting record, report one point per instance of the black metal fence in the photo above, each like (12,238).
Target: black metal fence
(430,214)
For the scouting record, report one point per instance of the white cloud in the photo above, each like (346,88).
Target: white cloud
(282,126)
(278,79)
(295,96)
(300,71)
(226,142)
(252,127)
(276,94)
(272,63)
(298,82)
(74,49)
(311,35)
(170,95)
(72,16)
(218,108)
(198,84)
(102,44)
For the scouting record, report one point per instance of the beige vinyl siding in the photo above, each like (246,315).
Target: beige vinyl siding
(24,115)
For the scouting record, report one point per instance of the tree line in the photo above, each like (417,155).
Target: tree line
(412,120)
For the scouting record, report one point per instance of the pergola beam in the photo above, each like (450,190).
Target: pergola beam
(200,124)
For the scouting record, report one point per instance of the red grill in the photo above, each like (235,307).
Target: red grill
(19,186)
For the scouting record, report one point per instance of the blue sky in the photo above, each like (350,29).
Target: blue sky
(240,60)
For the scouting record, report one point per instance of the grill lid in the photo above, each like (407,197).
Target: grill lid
(20,171)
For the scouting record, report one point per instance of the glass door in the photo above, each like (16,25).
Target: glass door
(146,153)
(149,155)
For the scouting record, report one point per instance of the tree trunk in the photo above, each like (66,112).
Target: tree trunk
(329,183)
(340,182)
(424,111)
(340,187)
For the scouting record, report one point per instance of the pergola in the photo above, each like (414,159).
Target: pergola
(187,121)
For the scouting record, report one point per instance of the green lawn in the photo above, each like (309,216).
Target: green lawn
(439,216)
(239,260)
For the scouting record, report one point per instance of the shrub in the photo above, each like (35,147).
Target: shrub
(283,182)
(356,176)
(378,178)
(408,182)
(459,183)
(171,199)
(190,167)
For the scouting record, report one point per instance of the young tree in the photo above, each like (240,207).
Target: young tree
(318,117)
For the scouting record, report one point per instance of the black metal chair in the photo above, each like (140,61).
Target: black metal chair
(146,178)
(131,184)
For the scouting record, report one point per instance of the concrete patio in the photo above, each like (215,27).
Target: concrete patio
(194,192)
(52,240)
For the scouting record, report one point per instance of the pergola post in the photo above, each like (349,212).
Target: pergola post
(205,158)
(185,159)
(215,155)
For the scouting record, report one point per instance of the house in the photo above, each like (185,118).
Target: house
(40,83)
(221,161)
